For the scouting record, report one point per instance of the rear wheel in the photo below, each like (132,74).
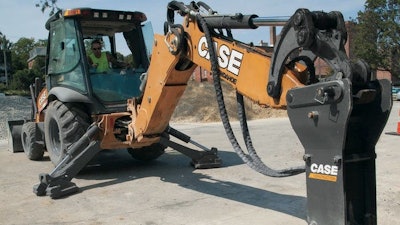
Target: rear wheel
(32,148)
(64,124)
(147,153)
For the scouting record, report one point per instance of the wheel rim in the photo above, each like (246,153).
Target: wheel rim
(55,137)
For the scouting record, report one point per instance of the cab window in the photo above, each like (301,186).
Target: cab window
(64,56)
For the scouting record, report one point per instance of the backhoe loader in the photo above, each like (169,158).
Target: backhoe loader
(338,118)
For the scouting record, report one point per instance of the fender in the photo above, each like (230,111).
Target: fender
(68,95)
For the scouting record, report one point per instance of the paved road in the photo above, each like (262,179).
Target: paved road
(116,189)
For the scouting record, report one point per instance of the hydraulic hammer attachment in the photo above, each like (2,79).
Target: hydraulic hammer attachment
(338,119)
(58,183)
(339,137)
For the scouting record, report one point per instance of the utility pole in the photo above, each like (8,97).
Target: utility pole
(3,43)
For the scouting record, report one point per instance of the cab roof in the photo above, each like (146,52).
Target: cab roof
(107,22)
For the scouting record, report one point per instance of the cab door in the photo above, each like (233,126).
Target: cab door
(64,61)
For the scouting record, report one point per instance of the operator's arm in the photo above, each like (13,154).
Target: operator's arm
(90,61)
(117,63)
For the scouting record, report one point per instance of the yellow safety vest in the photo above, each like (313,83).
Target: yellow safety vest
(102,62)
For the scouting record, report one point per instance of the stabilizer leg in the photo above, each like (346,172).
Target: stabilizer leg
(58,183)
(200,159)
(54,187)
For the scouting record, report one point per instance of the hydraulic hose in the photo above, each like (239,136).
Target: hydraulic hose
(250,148)
(252,159)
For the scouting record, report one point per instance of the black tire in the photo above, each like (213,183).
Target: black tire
(147,153)
(64,124)
(32,149)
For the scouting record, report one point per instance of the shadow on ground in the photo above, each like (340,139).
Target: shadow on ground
(118,167)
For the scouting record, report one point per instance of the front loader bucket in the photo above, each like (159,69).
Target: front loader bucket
(14,135)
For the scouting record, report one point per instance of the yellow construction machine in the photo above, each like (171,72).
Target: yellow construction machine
(338,118)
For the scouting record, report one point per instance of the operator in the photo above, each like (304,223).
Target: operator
(101,60)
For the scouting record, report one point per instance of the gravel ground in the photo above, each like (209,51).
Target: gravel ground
(12,108)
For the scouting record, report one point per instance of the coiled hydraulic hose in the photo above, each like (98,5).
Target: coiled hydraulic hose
(252,159)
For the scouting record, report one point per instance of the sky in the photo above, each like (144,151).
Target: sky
(20,18)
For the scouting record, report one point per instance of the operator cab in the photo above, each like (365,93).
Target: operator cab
(122,34)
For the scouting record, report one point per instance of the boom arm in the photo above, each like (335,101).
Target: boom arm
(252,71)
(184,47)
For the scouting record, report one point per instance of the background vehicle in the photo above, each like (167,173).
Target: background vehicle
(396,93)
(338,119)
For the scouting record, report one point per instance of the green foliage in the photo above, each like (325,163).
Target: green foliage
(22,79)
(4,42)
(48,5)
(39,65)
(20,53)
(3,87)
(377,38)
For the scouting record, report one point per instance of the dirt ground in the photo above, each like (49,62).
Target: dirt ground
(119,190)
(199,104)
(116,189)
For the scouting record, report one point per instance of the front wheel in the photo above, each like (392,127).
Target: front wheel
(64,124)
(32,148)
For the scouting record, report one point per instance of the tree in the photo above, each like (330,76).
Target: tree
(48,4)
(377,38)
(5,43)
(20,52)
(5,58)
(23,78)
(21,49)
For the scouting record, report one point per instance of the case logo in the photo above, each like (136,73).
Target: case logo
(229,59)
(323,172)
